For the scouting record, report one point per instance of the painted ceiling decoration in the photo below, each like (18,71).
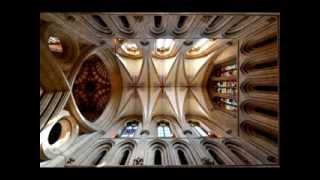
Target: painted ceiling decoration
(92,88)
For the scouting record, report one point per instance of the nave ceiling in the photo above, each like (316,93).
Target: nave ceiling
(137,86)
(157,64)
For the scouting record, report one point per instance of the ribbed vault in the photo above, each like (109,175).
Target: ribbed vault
(121,73)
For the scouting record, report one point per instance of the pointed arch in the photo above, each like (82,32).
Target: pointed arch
(97,152)
(218,153)
(243,153)
(174,124)
(125,152)
(158,153)
(184,155)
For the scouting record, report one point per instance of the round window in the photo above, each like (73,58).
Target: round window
(55,133)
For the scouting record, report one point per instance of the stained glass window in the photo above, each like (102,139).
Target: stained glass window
(226,103)
(224,86)
(198,130)
(130,129)
(164,130)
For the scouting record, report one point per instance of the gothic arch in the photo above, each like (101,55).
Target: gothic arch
(98,23)
(125,152)
(260,135)
(163,147)
(259,63)
(182,24)
(243,153)
(255,88)
(174,124)
(242,26)
(263,112)
(159,25)
(122,123)
(261,39)
(182,146)
(216,25)
(219,154)
(202,122)
(96,154)
(124,25)
(211,127)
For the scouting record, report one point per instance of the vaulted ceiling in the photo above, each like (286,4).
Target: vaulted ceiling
(179,66)
(164,60)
